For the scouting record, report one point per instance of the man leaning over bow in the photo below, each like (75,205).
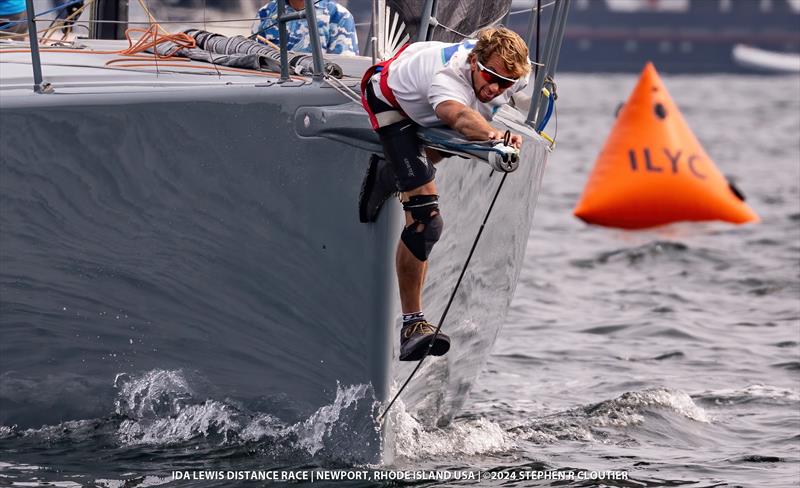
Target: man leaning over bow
(427,84)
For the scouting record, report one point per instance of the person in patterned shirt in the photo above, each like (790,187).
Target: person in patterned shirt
(337,28)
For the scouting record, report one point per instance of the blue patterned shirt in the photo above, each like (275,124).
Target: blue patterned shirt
(337,28)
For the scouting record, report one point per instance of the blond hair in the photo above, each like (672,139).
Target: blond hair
(509,46)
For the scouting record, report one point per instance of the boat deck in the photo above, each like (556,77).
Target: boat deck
(92,66)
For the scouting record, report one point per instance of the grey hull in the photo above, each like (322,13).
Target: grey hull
(204,230)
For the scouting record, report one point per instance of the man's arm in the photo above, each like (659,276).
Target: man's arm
(470,123)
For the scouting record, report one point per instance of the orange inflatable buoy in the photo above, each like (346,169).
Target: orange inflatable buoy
(653,171)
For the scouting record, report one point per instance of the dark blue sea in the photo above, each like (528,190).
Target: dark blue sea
(671,355)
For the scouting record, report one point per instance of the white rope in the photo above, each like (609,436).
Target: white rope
(342,88)
(527,10)
(436,23)
(143,22)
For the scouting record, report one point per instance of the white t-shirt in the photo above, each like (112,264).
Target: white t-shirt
(429,73)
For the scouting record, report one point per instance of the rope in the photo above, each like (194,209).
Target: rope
(435,23)
(506,140)
(52,27)
(135,56)
(224,21)
(527,10)
(25,19)
(551,105)
(551,96)
(65,24)
(555,128)
(538,38)
(343,89)
(152,37)
(205,28)
(164,22)
(140,62)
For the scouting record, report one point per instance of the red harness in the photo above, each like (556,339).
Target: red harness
(383,67)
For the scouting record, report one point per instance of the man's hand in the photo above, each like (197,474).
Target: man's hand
(516,139)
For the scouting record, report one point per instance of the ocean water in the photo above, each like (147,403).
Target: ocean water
(671,355)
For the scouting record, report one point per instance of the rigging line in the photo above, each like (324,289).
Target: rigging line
(527,10)
(36,16)
(176,63)
(87,21)
(435,23)
(11,34)
(205,28)
(555,129)
(342,88)
(538,36)
(68,22)
(43,40)
(155,33)
(453,294)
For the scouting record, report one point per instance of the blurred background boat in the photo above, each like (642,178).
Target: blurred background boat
(768,61)
(678,36)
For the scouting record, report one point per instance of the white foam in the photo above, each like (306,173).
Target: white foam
(137,482)
(6,431)
(59,484)
(17,467)
(104,483)
(312,432)
(462,437)
(70,428)
(628,408)
(154,481)
(262,426)
(551,430)
(161,410)
(154,394)
(757,391)
(211,417)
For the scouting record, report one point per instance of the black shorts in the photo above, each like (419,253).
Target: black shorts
(401,146)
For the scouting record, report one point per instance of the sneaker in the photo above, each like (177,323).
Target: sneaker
(415,338)
(378,186)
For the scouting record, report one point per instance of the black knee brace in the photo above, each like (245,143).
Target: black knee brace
(401,147)
(422,234)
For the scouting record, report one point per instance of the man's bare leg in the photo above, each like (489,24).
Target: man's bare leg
(410,270)
(417,335)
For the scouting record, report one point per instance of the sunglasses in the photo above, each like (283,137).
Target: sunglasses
(491,77)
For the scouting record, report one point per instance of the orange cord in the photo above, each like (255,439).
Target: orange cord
(181,39)
(152,37)
(212,69)
(136,58)
(136,46)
